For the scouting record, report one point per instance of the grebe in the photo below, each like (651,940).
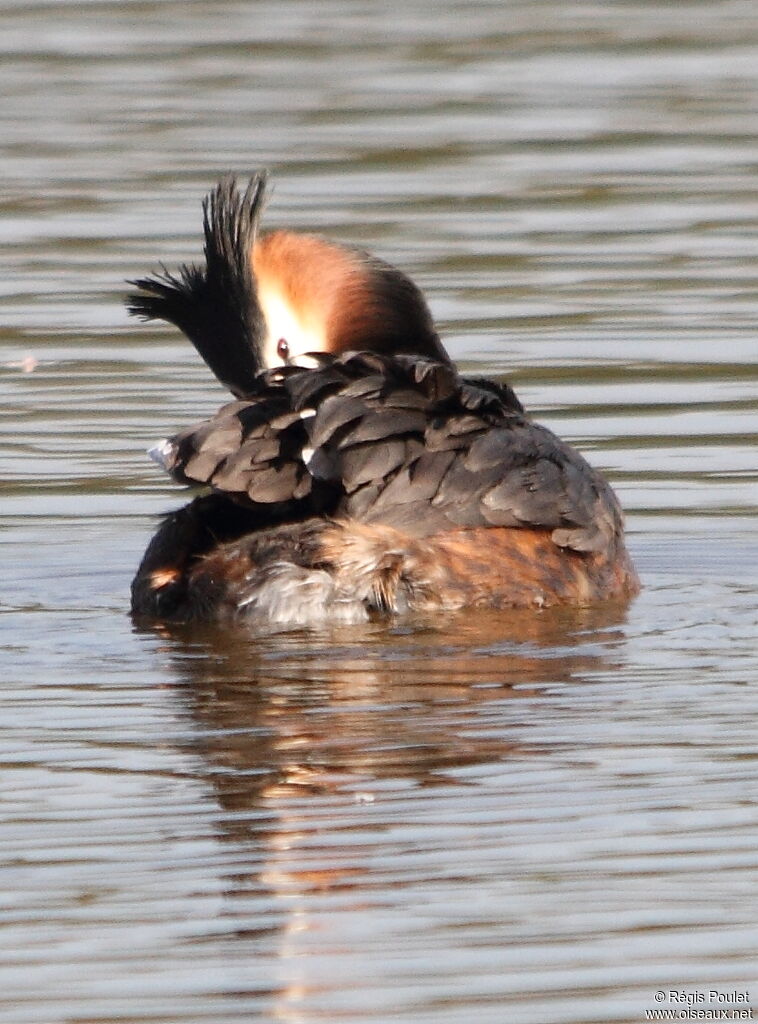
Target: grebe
(356,473)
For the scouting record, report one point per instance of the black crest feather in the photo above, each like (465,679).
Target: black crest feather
(216,305)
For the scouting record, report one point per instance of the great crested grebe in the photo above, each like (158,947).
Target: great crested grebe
(357,473)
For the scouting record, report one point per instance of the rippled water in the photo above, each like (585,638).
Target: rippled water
(539,818)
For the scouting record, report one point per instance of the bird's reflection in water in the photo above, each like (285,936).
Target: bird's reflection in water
(332,713)
(317,744)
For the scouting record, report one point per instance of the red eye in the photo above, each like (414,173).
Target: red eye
(282,349)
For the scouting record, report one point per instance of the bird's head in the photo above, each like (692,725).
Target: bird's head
(265,300)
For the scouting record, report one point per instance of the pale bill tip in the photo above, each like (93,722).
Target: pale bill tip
(162,453)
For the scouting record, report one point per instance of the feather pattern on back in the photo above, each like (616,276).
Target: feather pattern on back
(398,441)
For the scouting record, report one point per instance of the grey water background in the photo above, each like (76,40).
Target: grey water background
(533,817)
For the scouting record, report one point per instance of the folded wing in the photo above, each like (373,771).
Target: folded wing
(399,441)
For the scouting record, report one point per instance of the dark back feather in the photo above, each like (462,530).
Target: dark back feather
(398,441)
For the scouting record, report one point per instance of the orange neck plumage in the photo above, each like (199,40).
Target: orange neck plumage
(317,296)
